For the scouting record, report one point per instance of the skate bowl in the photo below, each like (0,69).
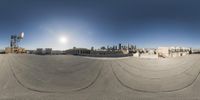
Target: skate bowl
(59,74)
(54,73)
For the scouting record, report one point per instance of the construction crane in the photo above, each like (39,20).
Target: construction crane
(14,44)
(15,39)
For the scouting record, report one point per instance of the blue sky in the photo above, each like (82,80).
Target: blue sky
(146,23)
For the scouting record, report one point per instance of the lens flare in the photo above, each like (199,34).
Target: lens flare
(63,40)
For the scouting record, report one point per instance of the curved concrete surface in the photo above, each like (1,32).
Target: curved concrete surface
(64,76)
(45,74)
(138,77)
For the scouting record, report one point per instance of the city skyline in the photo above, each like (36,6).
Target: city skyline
(147,24)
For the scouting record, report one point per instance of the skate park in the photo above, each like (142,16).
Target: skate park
(25,76)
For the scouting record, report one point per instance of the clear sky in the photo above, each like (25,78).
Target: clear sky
(86,23)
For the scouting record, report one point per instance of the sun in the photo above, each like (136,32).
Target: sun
(63,40)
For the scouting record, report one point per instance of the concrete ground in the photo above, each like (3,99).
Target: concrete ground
(65,77)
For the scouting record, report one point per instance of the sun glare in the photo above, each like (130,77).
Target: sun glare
(63,40)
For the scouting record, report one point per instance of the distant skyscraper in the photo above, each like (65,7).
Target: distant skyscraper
(120,46)
(128,46)
(108,48)
(92,48)
(115,47)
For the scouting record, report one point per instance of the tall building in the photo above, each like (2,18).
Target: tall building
(132,47)
(115,47)
(92,48)
(108,48)
(128,46)
(120,46)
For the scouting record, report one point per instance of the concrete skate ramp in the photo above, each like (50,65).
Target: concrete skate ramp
(54,73)
(72,73)
(161,75)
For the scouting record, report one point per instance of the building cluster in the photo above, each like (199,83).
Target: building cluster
(173,51)
(119,50)
(120,46)
(46,51)
(195,51)
(163,52)
(109,51)
(78,51)
(42,51)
